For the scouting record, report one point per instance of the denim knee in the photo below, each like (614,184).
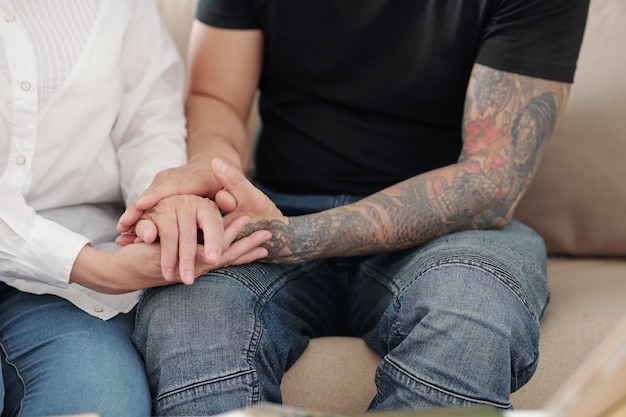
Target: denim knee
(463,326)
(199,340)
(226,341)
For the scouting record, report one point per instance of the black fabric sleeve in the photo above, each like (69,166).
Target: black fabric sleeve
(537,38)
(227,14)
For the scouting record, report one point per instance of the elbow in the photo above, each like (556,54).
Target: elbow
(500,213)
(495,210)
(500,222)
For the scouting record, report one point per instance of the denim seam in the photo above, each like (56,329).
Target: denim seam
(388,283)
(504,277)
(491,271)
(292,274)
(19,375)
(519,255)
(203,383)
(477,262)
(441,390)
(515,376)
(262,297)
(265,296)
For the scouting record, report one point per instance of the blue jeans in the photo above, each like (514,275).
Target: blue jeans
(456,322)
(59,360)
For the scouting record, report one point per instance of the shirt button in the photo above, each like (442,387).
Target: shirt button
(20,160)
(25,85)
(9,18)
(98,309)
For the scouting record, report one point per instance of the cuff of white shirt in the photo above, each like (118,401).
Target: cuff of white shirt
(49,253)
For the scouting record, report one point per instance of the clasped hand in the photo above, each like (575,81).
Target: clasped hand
(191,229)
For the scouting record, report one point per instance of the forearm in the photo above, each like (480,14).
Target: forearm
(405,215)
(88,267)
(224,68)
(215,130)
(131,268)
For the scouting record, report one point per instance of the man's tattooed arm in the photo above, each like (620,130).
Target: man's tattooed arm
(507,120)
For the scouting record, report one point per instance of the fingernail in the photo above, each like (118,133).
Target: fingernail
(188,277)
(220,165)
(213,256)
(120,221)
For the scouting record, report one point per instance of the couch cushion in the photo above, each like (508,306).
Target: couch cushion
(335,374)
(178,16)
(577,201)
(587,302)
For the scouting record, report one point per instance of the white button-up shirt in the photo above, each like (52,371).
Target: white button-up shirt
(90,110)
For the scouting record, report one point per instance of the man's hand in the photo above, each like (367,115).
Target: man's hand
(240,197)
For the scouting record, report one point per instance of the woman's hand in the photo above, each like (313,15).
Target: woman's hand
(138,265)
(239,197)
(133,267)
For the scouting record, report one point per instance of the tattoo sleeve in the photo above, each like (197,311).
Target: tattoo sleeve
(507,120)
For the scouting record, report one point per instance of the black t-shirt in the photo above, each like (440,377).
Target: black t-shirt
(357,95)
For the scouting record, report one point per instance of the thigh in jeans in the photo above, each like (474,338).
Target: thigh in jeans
(225,341)
(59,360)
(458,319)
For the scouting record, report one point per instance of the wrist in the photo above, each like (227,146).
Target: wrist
(87,267)
(224,151)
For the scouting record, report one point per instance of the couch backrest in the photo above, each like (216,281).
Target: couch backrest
(577,201)
(178,16)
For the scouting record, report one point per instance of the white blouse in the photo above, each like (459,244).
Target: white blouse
(90,110)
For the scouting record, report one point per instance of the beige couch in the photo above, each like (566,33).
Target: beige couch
(577,202)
